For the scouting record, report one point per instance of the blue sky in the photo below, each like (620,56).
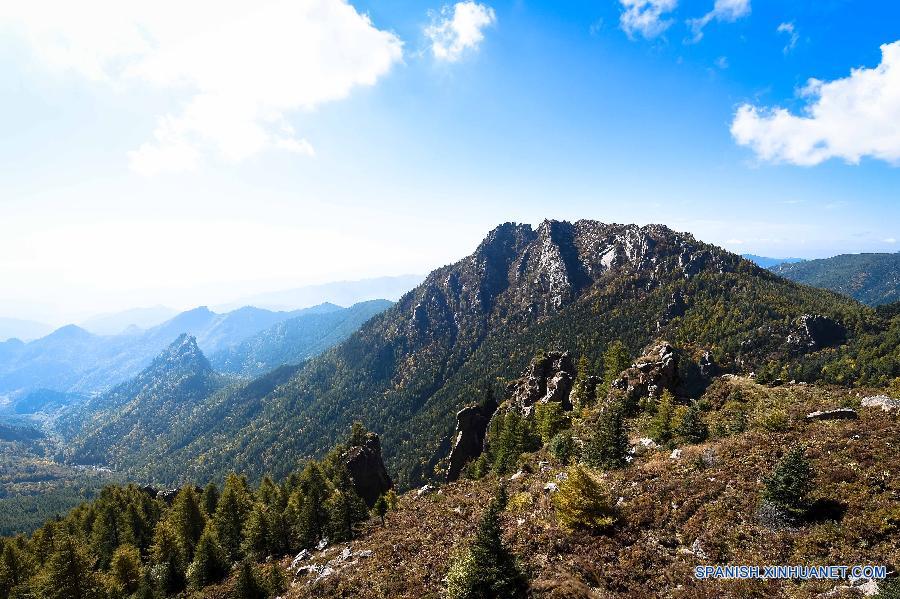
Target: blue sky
(240,147)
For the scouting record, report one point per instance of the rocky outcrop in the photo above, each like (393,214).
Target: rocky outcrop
(651,374)
(881,401)
(549,378)
(837,414)
(814,332)
(367,471)
(468,440)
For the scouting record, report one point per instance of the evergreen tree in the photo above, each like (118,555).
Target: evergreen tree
(209,564)
(789,485)
(345,507)
(267,492)
(311,514)
(125,567)
(105,532)
(187,520)
(210,499)
(275,580)
(380,508)
(691,428)
(579,393)
(607,445)
(256,532)
(487,570)
(661,425)
(168,559)
(358,435)
(510,438)
(231,512)
(12,568)
(550,419)
(248,585)
(68,574)
(581,503)
(615,360)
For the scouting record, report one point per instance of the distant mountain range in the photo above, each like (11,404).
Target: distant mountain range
(767,262)
(872,279)
(73,360)
(345,293)
(118,322)
(14,328)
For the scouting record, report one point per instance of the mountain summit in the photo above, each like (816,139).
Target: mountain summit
(568,286)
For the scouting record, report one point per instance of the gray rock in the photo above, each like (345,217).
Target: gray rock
(880,401)
(367,471)
(549,377)
(468,440)
(836,414)
(814,332)
(551,487)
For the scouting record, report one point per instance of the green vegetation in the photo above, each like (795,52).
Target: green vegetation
(789,485)
(581,503)
(487,569)
(607,444)
(873,279)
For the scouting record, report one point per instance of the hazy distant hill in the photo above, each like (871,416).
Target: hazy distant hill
(71,359)
(767,262)
(345,293)
(117,322)
(294,340)
(873,279)
(14,328)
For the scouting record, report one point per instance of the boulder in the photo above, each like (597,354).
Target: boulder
(651,374)
(367,471)
(880,401)
(837,414)
(814,331)
(468,440)
(549,378)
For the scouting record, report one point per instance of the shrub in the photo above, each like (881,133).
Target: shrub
(562,447)
(581,503)
(691,427)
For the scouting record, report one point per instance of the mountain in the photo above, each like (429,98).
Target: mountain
(125,423)
(294,340)
(118,322)
(872,279)
(14,328)
(766,262)
(478,322)
(74,360)
(345,293)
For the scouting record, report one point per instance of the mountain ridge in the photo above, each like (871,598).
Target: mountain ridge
(871,278)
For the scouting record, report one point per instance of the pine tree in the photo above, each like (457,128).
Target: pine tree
(210,499)
(68,574)
(231,512)
(509,439)
(12,568)
(615,360)
(487,570)
(358,435)
(312,516)
(275,580)
(267,492)
(579,393)
(187,520)
(661,425)
(209,564)
(550,419)
(168,559)
(105,533)
(345,507)
(581,503)
(125,567)
(790,483)
(248,585)
(380,508)
(607,445)
(256,532)
(692,429)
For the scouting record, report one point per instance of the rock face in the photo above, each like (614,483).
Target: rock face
(468,441)
(549,378)
(370,477)
(838,414)
(655,371)
(881,401)
(814,332)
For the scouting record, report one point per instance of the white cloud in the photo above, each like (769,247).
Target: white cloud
(722,62)
(459,28)
(793,36)
(645,17)
(725,11)
(239,68)
(846,118)
(890,240)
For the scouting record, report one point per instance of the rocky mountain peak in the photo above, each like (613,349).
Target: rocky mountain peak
(183,354)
